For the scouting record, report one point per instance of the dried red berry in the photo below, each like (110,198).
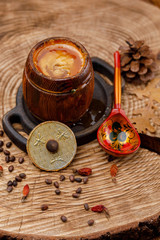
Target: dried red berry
(98,208)
(114,170)
(25,192)
(1,171)
(85,171)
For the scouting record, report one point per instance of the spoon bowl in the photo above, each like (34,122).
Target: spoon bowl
(117,136)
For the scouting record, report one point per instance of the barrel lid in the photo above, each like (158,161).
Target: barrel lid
(41,156)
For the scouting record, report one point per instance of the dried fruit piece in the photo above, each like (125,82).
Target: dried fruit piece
(114,170)
(25,192)
(100,209)
(1,171)
(85,171)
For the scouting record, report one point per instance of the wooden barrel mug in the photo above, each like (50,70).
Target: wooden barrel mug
(61,91)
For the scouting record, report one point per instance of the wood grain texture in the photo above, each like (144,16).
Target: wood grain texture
(101,26)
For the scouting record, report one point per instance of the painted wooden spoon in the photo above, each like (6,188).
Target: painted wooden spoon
(117,136)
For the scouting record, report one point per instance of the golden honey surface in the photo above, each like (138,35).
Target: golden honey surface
(59,60)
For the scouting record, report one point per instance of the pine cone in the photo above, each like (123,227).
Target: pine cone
(137,62)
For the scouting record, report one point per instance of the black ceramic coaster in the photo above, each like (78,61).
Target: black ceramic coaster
(85,129)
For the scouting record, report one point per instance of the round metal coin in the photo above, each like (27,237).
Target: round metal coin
(44,159)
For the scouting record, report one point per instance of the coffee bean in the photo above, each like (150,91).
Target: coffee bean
(11,168)
(14,183)
(10,183)
(1,133)
(1,149)
(7,159)
(56,184)
(78,180)
(22,175)
(21,160)
(18,179)
(8,144)
(57,191)
(90,222)
(9,188)
(75,195)
(12,158)
(64,219)
(44,207)
(62,178)
(86,206)
(74,170)
(85,180)
(1,143)
(71,178)
(79,190)
(48,181)
(52,146)
(6,152)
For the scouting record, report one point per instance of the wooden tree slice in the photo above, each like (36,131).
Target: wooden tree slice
(134,200)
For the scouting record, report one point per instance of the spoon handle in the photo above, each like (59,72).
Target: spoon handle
(117,81)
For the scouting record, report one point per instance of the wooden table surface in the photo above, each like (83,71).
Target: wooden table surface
(101,26)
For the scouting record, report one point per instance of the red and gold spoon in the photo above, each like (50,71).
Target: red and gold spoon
(117,136)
